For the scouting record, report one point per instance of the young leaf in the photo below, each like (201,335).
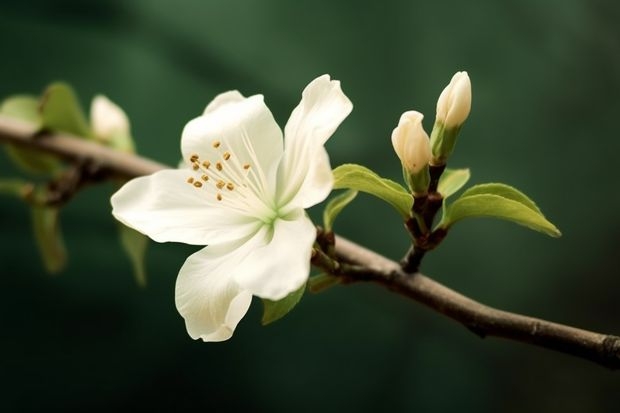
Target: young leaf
(335,207)
(359,178)
(274,310)
(502,190)
(46,226)
(496,206)
(61,111)
(322,282)
(452,180)
(25,108)
(15,187)
(134,244)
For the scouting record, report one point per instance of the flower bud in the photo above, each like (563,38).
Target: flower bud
(453,107)
(412,146)
(454,103)
(110,124)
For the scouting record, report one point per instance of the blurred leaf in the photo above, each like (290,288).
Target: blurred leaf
(134,243)
(61,111)
(335,207)
(15,187)
(498,201)
(360,178)
(26,108)
(46,226)
(322,282)
(274,310)
(452,180)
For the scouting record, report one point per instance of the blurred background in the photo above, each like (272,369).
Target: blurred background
(546,99)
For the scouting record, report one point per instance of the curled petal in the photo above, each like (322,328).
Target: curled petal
(282,264)
(232,96)
(322,108)
(166,208)
(209,300)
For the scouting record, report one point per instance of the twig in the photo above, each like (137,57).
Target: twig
(363,264)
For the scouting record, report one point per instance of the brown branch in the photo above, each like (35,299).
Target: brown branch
(359,263)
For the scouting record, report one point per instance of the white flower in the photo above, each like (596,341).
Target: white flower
(411,143)
(242,193)
(454,103)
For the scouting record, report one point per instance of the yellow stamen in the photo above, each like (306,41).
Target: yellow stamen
(219,197)
(190,180)
(230,186)
(206,164)
(226,155)
(195,166)
(218,166)
(193,158)
(205,178)
(220,184)
(197,184)
(246,166)
(216,144)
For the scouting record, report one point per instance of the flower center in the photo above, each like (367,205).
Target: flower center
(235,183)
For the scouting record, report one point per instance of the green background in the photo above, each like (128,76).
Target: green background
(546,99)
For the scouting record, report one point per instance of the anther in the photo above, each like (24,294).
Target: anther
(216,144)
(206,164)
(246,166)
(220,184)
(230,186)
(226,155)
(205,178)
(193,158)
(190,180)
(218,166)
(197,184)
(195,166)
(219,197)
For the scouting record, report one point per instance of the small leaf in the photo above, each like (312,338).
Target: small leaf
(46,226)
(134,243)
(15,187)
(490,205)
(360,178)
(61,111)
(25,108)
(335,207)
(452,180)
(322,282)
(274,310)
(505,191)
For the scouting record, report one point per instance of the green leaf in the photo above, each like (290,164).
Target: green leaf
(322,282)
(360,178)
(134,243)
(477,204)
(61,111)
(274,310)
(452,180)
(335,207)
(15,187)
(46,226)
(505,191)
(26,108)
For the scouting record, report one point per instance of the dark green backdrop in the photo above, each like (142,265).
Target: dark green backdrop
(546,87)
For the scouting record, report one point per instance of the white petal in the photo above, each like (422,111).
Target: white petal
(222,99)
(107,118)
(207,297)
(166,208)
(322,108)
(243,128)
(282,265)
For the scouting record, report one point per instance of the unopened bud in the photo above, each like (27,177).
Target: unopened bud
(412,146)
(110,124)
(453,107)
(454,103)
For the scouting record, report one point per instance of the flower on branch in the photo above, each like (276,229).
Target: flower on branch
(242,191)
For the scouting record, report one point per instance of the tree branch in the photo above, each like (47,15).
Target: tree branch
(364,265)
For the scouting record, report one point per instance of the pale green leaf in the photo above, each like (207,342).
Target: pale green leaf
(26,108)
(502,190)
(335,207)
(61,111)
(274,310)
(46,226)
(490,205)
(134,243)
(452,180)
(322,282)
(360,178)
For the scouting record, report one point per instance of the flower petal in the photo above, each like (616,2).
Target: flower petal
(166,208)
(322,108)
(207,297)
(222,99)
(282,265)
(245,129)
(107,118)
